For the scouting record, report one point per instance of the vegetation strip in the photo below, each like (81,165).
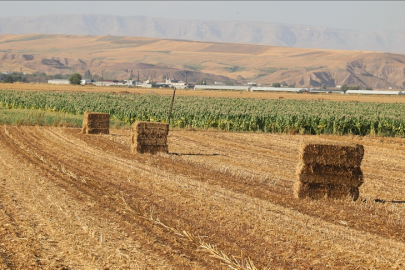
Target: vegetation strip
(231,114)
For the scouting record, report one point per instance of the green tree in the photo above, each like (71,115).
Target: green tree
(75,78)
(9,79)
(276,84)
(354,87)
(344,87)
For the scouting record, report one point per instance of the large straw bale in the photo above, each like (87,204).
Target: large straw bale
(149,137)
(332,153)
(321,191)
(313,191)
(329,174)
(343,192)
(96,123)
(329,170)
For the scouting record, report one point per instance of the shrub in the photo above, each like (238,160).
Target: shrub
(75,78)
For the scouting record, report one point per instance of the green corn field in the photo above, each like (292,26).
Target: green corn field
(230,114)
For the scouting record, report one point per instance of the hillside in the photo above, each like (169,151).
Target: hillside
(122,57)
(298,36)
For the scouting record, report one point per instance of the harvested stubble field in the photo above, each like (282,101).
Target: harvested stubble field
(218,199)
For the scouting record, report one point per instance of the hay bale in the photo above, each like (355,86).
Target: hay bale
(149,137)
(96,123)
(313,191)
(329,170)
(332,153)
(321,191)
(329,174)
(343,192)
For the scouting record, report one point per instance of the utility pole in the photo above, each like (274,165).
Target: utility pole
(171,107)
(102,74)
(138,76)
(20,74)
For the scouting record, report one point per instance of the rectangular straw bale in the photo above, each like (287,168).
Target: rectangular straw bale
(329,174)
(343,192)
(313,191)
(149,137)
(320,191)
(332,153)
(96,123)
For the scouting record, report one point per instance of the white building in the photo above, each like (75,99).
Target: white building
(85,81)
(176,84)
(373,92)
(58,81)
(278,89)
(106,83)
(222,87)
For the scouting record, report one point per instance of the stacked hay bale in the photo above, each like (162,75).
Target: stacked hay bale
(96,123)
(149,137)
(329,170)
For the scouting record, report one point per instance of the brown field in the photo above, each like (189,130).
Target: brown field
(237,94)
(74,201)
(122,57)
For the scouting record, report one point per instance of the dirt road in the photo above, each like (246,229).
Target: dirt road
(73,201)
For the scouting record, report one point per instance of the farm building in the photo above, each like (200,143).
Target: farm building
(85,81)
(132,83)
(277,89)
(106,83)
(58,81)
(176,84)
(373,92)
(328,91)
(221,87)
(147,84)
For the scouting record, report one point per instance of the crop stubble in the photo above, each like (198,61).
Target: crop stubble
(234,190)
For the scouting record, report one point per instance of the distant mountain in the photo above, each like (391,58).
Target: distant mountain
(120,57)
(214,31)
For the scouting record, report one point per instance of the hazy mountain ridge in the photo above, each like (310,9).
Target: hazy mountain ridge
(214,31)
(121,57)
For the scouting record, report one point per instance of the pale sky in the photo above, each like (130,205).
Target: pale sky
(360,15)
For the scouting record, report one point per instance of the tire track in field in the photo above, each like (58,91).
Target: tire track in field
(109,209)
(110,196)
(22,248)
(172,210)
(359,218)
(168,210)
(176,212)
(333,215)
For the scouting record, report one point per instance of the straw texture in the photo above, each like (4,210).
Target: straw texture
(336,153)
(96,123)
(149,137)
(329,170)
